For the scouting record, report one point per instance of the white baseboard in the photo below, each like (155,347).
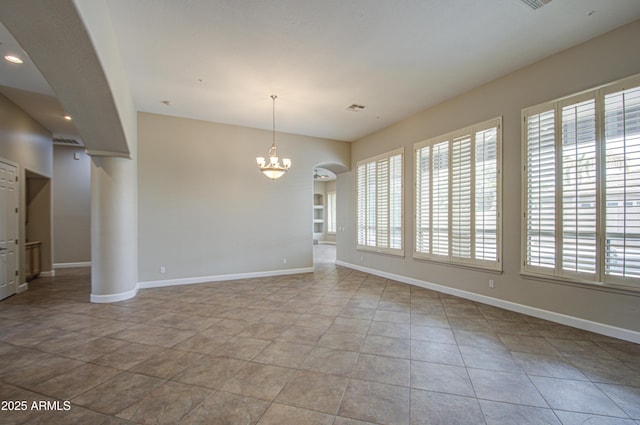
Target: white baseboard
(50,273)
(219,278)
(114,297)
(576,322)
(71,265)
(22,287)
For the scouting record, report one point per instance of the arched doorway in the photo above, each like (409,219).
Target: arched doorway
(324,216)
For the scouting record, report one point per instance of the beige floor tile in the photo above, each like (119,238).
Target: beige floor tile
(389,329)
(576,396)
(117,393)
(226,408)
(283,354)
(508,414)
(40,371)
(210,371)
(325,360)
(240,348)
(153,335)
(168,363)
(506,387)
(167,404)
(66,385)
(386,370)
(259,381)
(375,402)
(301,335)
(314,391)
(280,414)
(385,346)
(441,378)
(342,341)
(429,408)
(436,352)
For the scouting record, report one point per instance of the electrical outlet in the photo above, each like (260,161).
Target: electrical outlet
(492,283)
(162,269)
(284,261)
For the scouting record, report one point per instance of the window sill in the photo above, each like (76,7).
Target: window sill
(584,284)
(394,253)
(475,267)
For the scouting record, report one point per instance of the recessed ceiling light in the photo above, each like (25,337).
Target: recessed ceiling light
(13,59)
(67,117)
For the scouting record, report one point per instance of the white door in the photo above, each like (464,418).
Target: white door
(8,228)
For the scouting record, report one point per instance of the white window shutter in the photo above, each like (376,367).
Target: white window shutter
(622,163)
(579,187)
(540,193)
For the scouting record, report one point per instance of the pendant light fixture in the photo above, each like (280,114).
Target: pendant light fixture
(273,169)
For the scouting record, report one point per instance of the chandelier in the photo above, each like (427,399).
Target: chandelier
(273,169)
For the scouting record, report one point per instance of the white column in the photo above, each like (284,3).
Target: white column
(114,229)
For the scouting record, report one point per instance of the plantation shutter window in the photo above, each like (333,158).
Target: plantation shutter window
(581,180)
(380,224)
(458,201)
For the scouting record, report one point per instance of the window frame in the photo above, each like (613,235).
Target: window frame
(473,261)
(331,212)
(377,248)
(599,278)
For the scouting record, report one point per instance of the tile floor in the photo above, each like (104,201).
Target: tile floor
(334,347)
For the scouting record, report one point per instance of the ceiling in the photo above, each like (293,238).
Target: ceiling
(220,60)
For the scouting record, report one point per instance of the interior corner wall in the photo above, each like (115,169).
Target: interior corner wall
(27,143)
(71,206)
(204,208)
(596,62)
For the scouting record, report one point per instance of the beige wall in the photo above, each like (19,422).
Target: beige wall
(206,210)
(604,59)
(71,206)
(27,143)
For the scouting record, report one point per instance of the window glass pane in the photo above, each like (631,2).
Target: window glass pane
(371,204)
(440,199)
(382,205)
(579,187)
(622,163)
(423,193)
(541,210)
(486,199)
(461,197)
(362,205)
(395,203)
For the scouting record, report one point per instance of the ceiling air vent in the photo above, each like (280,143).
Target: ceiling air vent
(66,142)
(355,107)
(535,4)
